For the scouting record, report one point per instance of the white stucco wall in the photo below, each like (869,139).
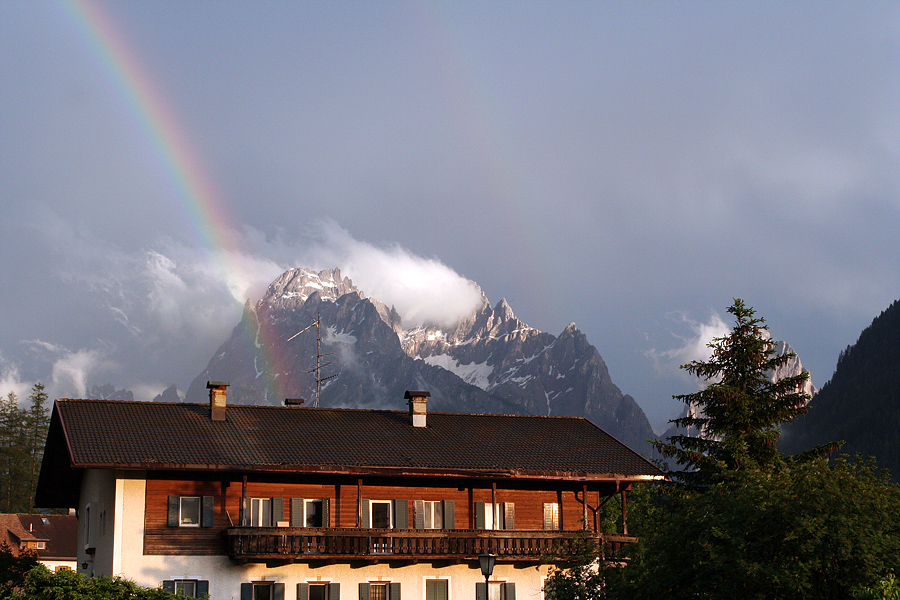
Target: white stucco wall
(122,496)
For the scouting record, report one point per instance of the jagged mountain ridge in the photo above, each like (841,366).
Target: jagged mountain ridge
(490,361)
(792,367)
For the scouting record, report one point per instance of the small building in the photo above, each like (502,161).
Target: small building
(292,503)
(52,537)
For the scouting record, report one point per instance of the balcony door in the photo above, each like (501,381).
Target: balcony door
(381,514)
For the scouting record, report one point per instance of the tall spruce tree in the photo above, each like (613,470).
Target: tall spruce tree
(736,417)
(36,423)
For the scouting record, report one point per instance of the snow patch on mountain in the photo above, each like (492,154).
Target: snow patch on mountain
(475,373)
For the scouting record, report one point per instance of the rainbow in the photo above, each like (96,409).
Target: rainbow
(196,197)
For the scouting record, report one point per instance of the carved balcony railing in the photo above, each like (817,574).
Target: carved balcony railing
(252,544)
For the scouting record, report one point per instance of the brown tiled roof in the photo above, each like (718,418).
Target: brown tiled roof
(169,435)
(59,532)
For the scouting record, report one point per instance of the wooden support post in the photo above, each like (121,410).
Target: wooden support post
(359,503)
(495,513)
(471,508)
(244,517)
(624,511)
(337,508)
(584,507)
(559,497)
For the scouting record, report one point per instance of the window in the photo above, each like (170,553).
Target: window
(260,513)
(551,516)
(495,516)
(432,514)
(380,514)
(191,588)
(379,591)
(495,591)
(310,512)
(263,512)
(437,589)
(262,590)
(317,590)
(40,545)
(186,587)
(384,514)
(189,511)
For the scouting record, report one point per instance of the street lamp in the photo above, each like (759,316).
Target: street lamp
(487,568)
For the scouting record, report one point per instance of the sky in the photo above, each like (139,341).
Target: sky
(627,166)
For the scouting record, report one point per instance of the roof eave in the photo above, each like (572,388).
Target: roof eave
(374,470)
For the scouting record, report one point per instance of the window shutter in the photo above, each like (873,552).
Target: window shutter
(509,515)
(479,516)
(302,591)
(510,589)
(207,516)
(245,521)
(326,512)
(277,511)
(401,514)
(394,593)
(364,520)
(202,588)
(169,586)
(436,589)
(298,518)
(278,588)
(480,591)
(334,591)
(419,516)
(449,514)
(246,591)
(550,517)
(364,591)
(174,506)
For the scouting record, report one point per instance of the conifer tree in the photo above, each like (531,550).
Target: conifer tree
(36,422)
(738,414)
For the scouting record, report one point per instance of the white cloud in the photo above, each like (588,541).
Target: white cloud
(72,371)
(11,381)
(421,289)
(694,345)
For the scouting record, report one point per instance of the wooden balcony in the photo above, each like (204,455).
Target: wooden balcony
(265,544)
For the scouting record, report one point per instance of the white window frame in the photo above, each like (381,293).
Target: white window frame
(385,584)
(266,584)
(429,508)
(320,584)
(182,515)
(554,518)
(390,507)
(307,502)
(180,585)
(260,512)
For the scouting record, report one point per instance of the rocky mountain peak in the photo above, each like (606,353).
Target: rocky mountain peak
(296,285)
(489,361)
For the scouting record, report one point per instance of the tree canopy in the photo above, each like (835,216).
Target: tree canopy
(734,422)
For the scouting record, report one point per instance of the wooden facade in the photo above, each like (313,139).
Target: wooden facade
(521,532)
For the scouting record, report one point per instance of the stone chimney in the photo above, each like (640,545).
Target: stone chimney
(217,393)
(418,406)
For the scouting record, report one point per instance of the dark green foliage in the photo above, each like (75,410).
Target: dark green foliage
(23,578)
(860,404)
(575,574)
(741,409)
(41,584)
(23,432)
(812,530)
(14,569)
